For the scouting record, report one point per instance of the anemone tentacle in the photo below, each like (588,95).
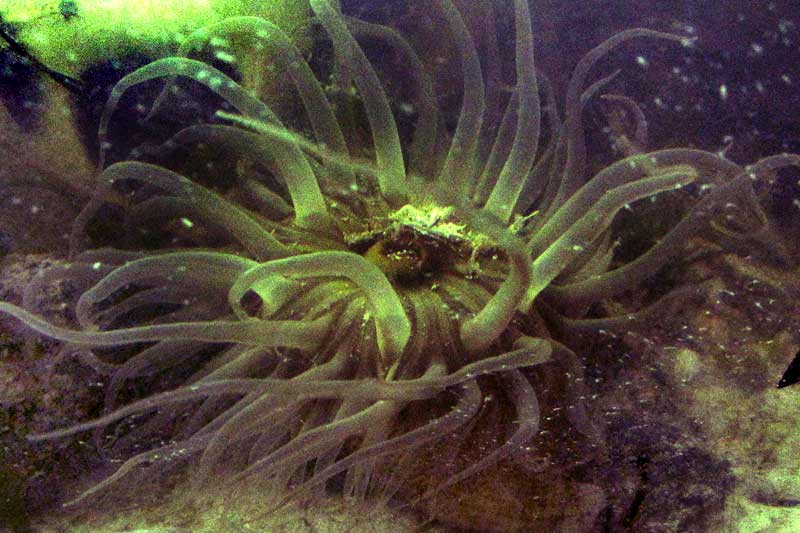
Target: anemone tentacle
(347,299)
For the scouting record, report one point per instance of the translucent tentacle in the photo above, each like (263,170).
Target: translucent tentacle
(574,240)
(426,129)
(309,204)
(364,389)
(573,172)
(391,322)
(457,172)
(527,420)
(289,333)
(509,183)
(388,152)
(480,331)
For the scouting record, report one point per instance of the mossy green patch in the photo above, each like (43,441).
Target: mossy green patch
(91,30)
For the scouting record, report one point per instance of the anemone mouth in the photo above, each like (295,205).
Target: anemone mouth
(327,317)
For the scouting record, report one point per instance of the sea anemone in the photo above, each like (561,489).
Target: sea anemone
(334,305)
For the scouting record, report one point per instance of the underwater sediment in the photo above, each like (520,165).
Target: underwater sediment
(365,292)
